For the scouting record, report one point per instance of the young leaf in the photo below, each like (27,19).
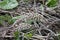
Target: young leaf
(29,35)
(5,18)
(8,4)
(16,35)
(51,3)
(1,22)
(17,17)
(11,21)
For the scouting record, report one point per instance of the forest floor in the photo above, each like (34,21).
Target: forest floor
(43,24)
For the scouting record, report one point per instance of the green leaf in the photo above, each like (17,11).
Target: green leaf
(51,3)
(11,21)
(14,19)
(16,35)
(17,17)
(7,17)
(29,35)
(1,22)
(2,17)
(8,4)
